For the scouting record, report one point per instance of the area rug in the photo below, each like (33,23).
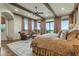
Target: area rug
(21,48)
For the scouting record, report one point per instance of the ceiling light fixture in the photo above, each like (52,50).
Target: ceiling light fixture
(16,9)
(62,8)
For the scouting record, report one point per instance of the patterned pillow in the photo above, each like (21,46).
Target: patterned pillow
(76,49)
(63,34)
(59,33)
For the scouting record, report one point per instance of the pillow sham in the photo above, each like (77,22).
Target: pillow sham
(59,33)
(63,34)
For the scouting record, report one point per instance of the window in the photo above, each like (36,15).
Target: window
(32,24)
(49,27)
(65,25)
(25,24)
(38,25)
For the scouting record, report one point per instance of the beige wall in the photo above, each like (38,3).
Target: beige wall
(77,24)
(6,32)
(77,19)
(13,26)
(11,29)
(78,16)
(17,26)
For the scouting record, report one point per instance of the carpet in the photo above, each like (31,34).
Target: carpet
(21,48)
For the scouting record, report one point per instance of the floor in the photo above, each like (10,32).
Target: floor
(5,51)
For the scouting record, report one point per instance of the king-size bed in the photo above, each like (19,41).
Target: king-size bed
(52,44)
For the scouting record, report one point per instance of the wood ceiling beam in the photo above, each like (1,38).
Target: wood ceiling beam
(49,7)
(75,7)
(22,15)
(49,18)
(21,7)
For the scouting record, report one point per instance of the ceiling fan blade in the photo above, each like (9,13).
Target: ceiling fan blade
(37,11)
(40,13)
(34,12)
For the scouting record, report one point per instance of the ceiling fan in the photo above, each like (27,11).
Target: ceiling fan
(36,11)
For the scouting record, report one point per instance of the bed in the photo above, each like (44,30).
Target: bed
(51,45)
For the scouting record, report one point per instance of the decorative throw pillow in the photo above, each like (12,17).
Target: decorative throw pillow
(59,33)
(76,49)
(63,34)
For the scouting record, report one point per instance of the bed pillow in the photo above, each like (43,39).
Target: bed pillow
(59,33)
(63,34)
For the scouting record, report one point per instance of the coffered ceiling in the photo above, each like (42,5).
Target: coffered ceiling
(50,9)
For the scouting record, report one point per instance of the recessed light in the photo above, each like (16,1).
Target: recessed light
(16,9)
(62,8)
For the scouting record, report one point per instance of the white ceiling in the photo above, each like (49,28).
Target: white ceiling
(20,11)
(40,7)
(68,8)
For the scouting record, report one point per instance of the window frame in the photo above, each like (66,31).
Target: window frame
(32,23)
(25,22)
(67,24)
(49,24)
